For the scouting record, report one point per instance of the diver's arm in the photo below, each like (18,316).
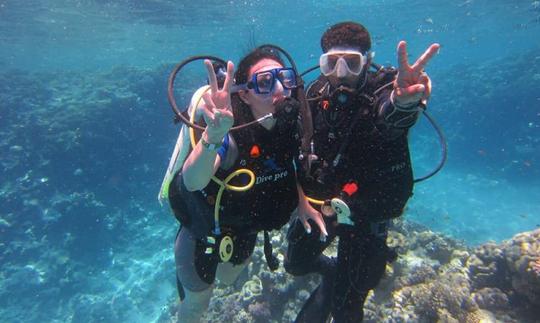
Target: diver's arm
(201,164)
(394,117)
(203,161)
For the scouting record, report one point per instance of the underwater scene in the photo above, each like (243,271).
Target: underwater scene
(87,132)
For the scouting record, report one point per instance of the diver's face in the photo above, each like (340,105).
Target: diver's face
(341,73)
(264,102)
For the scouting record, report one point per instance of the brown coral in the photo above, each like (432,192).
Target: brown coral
(521,254)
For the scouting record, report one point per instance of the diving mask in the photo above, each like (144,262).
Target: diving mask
(353,61)
(264,82)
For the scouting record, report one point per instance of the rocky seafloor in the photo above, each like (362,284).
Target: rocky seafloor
(434,279)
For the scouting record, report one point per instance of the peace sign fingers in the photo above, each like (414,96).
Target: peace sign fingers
(421,63)
(412,84)
(217,110)
(227,85)
(212,79)
(220,97)
(403,62)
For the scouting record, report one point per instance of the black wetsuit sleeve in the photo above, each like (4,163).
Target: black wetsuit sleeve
(391,119)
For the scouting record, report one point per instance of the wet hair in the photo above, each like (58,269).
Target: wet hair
(241,110)
(346,34)
(221,70)
(242,71)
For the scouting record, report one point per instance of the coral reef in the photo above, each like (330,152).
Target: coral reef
(520,254)
(469,284)
(445,281)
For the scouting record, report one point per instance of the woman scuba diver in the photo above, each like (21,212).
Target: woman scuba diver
(234,184)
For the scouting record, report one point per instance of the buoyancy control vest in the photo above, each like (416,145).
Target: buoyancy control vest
(269,203)
(351,141)
(270,155)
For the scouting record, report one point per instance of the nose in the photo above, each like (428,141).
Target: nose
(341,69)
(279,91)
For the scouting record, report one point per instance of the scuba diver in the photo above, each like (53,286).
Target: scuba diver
(358,165)
(233,184)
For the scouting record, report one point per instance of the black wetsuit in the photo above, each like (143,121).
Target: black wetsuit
(270,154)
(375,159)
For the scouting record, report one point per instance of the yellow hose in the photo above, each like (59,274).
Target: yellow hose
(314,201)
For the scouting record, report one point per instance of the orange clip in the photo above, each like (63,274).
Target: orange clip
(325,104)
(255,151)
(350,188)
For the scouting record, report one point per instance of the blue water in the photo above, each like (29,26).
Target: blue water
(86,132)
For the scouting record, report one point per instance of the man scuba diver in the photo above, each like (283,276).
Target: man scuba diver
(359,164)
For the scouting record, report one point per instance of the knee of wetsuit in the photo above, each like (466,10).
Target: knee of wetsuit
(296,232)
(296,268)
(184,291)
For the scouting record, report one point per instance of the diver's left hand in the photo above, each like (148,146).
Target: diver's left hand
(412,84)
(306,212)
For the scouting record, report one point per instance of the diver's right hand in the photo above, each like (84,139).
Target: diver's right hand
(217,110)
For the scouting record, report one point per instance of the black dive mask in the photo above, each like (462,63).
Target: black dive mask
(286,115)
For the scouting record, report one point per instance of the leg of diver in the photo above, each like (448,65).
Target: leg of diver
(190,267)
(348,301)
(352,311)
(244,244)
(304,255)
(317,307)
(361,266)
(227,273)
(194,305)
(304,251)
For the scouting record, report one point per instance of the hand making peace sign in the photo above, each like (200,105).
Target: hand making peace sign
(412,84)
(217,110)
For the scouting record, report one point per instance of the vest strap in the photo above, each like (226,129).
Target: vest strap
(271,260)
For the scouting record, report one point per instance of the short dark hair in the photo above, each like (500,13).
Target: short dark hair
(346,34)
